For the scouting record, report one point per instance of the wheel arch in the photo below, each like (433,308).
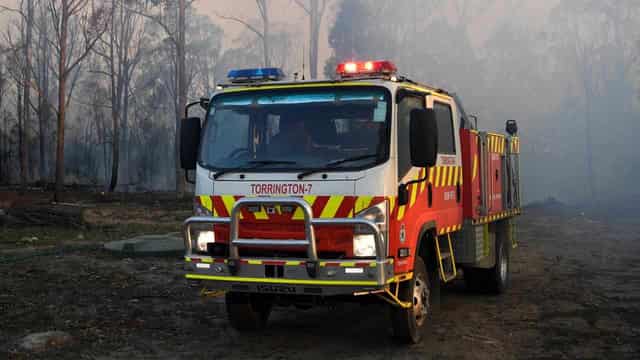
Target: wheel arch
(425,246)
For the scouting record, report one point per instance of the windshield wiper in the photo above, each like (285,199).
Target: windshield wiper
(331,165)
(255,163)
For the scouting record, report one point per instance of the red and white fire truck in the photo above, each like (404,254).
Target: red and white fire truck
(367,187)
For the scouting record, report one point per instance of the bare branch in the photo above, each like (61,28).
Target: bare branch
(246,24)
(303,6)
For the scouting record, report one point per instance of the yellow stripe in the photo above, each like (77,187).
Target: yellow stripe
(475,167)
(228,201)
(431,171)
(293,263)
(392,203)
(290,86)
(443,177)
(401,212)
(261,215)
(331,208)
(424,183)
(254,262)
(431,91)
(348,264)
(435,182)
(310,199)
(453,172)
(362,202)
(283,281)
(414,193)
(206,202)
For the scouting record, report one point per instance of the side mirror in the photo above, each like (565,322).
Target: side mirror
(424,137)
(204,103)
(189,142)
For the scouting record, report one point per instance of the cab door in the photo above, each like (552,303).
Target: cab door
(446,180)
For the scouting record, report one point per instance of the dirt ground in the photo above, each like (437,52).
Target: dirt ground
(575,294)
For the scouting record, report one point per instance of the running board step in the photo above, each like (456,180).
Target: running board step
(446,260)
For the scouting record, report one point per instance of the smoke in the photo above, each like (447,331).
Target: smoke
(566,71)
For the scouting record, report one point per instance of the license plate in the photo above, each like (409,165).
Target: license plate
(282,289)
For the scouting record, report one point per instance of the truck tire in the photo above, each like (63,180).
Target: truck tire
(408,324)
(498,276)
(494,280)
(247,311)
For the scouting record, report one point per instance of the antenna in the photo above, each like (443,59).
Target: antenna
(303,62)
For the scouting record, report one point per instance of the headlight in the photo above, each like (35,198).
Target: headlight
(364,245)
(204,238)
(363,240)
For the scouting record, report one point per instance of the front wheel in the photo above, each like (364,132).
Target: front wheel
(408,324)
(248,311)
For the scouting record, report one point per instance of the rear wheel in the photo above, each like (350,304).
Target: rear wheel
(408,324)
(495,279)
(247,311)
(498,276)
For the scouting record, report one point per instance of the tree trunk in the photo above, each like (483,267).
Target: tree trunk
(125,130)
(26,98)
(265,36)
(115,104)
(20,115)
(62,82)
(43,98)
(314,30)
(182,95)
(589,153)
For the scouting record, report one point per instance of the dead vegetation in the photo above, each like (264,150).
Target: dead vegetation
(575,294)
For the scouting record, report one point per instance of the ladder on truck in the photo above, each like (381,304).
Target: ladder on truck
(446,261)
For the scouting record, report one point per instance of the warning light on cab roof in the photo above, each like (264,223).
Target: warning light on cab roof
(366,68)
(254,75)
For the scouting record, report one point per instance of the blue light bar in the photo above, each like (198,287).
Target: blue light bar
(252,75)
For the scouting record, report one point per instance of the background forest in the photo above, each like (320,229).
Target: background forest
(102,84)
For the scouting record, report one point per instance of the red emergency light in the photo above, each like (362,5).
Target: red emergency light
(366,68)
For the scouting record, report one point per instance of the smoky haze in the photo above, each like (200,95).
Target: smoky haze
(567,71)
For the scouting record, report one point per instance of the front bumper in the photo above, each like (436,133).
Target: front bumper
(334,277)
(311,276)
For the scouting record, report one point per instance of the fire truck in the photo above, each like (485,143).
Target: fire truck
(369,187)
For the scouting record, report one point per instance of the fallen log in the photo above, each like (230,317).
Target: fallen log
(45,215)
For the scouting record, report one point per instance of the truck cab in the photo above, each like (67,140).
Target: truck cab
(362,187)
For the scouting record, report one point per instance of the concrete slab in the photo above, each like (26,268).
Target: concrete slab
(148,245)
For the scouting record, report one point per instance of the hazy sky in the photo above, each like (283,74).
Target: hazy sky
(284,12)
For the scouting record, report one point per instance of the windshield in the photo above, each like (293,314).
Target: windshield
(293,129)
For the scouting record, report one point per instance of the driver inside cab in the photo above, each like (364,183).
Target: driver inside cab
(293,138)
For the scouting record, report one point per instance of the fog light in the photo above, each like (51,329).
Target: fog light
(364,245)
(204,238)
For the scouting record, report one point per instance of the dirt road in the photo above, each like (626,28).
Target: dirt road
(575,294)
